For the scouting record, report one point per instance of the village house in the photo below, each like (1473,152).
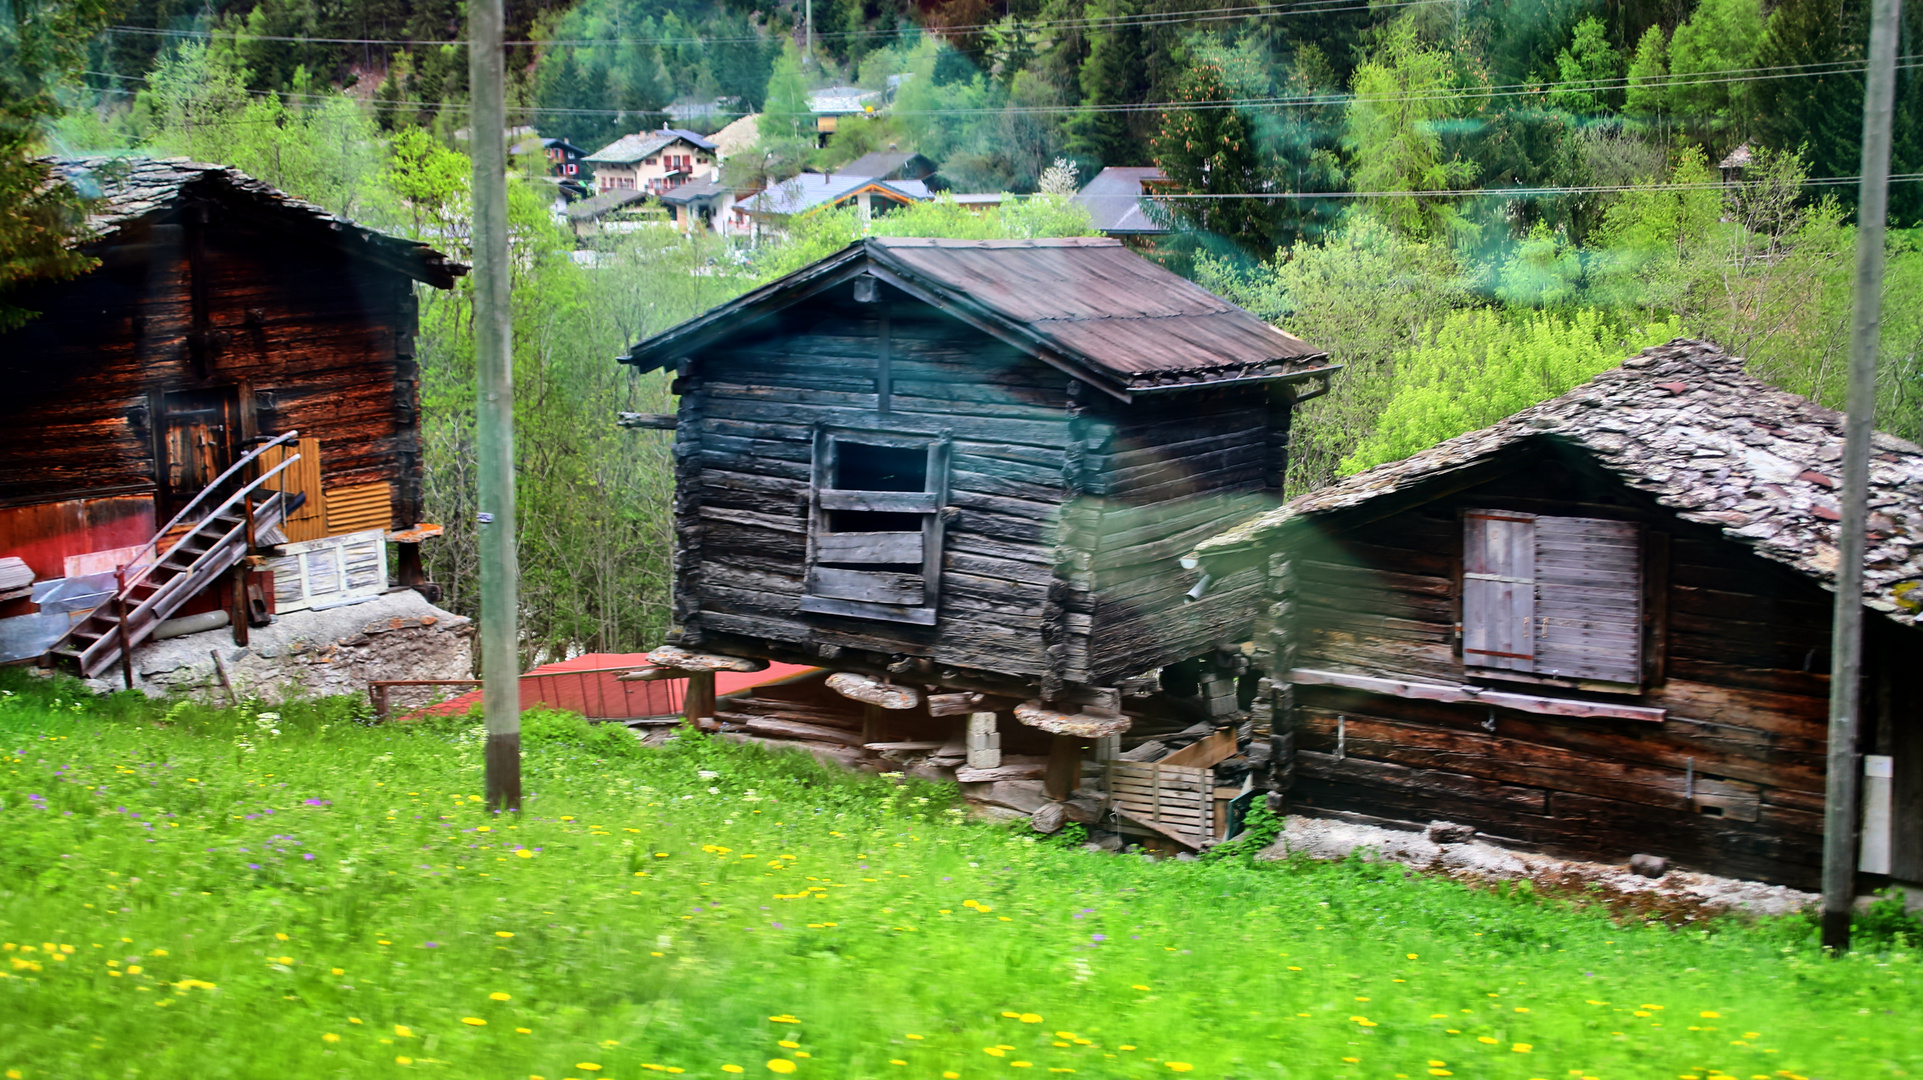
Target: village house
(1116,202)
(810,192)
(651,161)
(1599,628)
(223,415)
(564,164)
(956,473)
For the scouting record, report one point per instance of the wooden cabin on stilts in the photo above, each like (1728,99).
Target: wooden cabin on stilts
(958,475)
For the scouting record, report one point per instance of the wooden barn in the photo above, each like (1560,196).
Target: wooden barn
(969,466)
(230,337)
(1600,628)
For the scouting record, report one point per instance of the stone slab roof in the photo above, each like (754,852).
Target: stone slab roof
(123,190)
(1684,423)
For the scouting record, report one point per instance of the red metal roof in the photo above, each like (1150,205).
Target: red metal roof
(588,684)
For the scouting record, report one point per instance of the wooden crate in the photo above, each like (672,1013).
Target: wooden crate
(1178,796)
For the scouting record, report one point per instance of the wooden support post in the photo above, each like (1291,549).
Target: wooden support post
(699,702)
(237,593)
(120,628)
(1064,771)
(871,716)
(494,411)
(1846,650)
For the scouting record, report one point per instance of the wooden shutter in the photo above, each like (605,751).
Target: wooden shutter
(1498,590)
(865,574)
(1589,599)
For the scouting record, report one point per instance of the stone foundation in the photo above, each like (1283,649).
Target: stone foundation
(397,635)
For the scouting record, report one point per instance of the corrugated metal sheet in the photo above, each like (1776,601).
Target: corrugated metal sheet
(360,507)
(1088,303)
(1098,299)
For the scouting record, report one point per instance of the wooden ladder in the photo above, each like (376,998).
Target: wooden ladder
(156,583)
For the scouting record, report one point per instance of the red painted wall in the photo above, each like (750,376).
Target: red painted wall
(45,534)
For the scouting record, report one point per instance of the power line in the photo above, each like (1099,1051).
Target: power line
(1306,7)
(1727,76)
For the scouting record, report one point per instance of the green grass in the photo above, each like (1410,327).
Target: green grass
(186,894)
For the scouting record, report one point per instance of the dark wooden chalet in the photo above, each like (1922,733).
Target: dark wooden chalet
(223,314)
(970,464)
(1600,628)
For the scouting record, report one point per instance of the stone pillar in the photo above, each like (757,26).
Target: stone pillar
(984,742)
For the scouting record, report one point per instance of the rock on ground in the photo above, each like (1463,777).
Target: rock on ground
(1326,838)
(397,635)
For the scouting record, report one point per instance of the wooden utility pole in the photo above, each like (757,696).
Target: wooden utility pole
(494,412)
(1846,648)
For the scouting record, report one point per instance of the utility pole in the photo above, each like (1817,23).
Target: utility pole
(808,35)
(1846,648)
(494,411)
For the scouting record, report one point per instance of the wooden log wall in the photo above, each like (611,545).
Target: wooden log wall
(1175,472)
(1730,782)
(313,339)
(744,451)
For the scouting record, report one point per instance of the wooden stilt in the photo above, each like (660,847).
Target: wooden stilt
(699,702)
(1064,772)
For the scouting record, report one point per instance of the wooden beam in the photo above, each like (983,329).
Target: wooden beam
(1064,769)
(1476,695)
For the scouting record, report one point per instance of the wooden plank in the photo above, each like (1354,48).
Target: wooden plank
(886,502)
(869,586)
(1500,699)
(1498,590)
(904,548)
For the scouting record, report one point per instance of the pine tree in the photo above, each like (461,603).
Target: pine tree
(1820,112)
(1646,97)
(1585,70)
(1111,75)
(1212,151)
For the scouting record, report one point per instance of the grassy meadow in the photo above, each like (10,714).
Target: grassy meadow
(191,892)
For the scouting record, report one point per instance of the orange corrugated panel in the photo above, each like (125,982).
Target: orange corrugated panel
(303,476)
(362,506)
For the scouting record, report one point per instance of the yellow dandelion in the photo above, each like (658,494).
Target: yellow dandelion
(1440,1072)
(1522,1048)
(1180,1066)
(1138,986)
(1413,956)
(330,1037)
(896,1061)
(1710,1014)
(1030,1018)
(1486,1039)
(403,1060)
(524,853)
(1353,1061)
(280,937)
(1125,1046)
(780,1065)
(784,1018)
(951,1076)
(403,1031)
(731,1069)
(994,1051)
(504,933)
(473,1021)
(339,971)
(587,1066)
(914,1036)
(1020,1064)
(1064,1034)
(524,1031)
(788,1045)
(498,996)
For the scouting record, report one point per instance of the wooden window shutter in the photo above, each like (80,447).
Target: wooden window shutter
(875,549)
(1499,590)
(1589,599)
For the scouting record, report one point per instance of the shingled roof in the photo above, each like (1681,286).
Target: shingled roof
(1085,304)
(123,190)
(1684,423)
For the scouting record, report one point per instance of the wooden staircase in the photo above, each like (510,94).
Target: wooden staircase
(159,580)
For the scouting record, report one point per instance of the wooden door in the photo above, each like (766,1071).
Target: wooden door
(199,439)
